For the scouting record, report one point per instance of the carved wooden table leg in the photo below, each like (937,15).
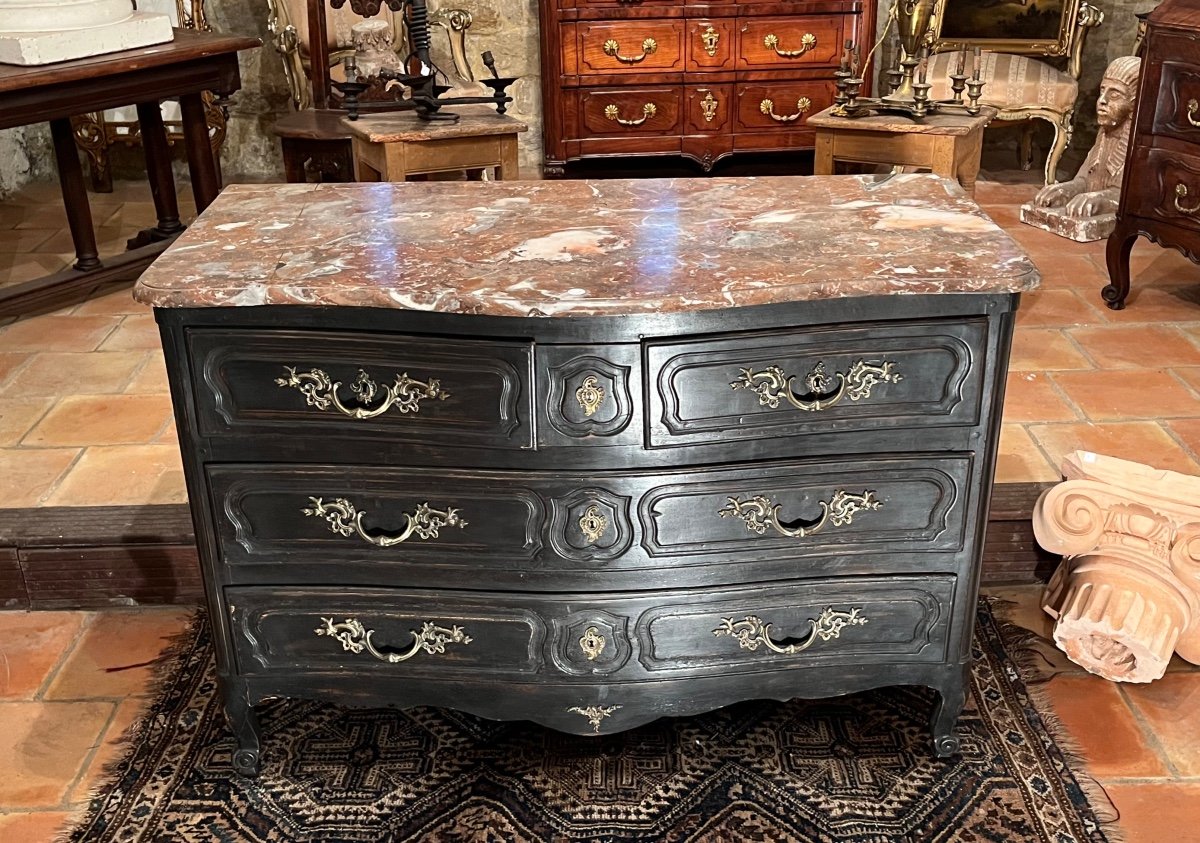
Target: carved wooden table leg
(158,171)
(74,193)
(1120,243)
(205,185)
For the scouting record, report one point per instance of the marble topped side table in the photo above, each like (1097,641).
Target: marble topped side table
(395,146)
(948,144)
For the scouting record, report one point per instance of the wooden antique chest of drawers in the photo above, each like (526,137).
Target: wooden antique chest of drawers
(1160,190)
(589,453)
(671,77)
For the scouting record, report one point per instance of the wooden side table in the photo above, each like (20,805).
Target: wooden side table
(395,146)
(948,144)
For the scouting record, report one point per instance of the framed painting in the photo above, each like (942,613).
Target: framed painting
(1023,27)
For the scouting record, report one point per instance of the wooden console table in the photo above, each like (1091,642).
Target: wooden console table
(947,144)
(191,64)
(589,453)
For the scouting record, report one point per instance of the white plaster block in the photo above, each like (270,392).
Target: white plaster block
(142,29)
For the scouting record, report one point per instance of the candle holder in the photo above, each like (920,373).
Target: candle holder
(908,87)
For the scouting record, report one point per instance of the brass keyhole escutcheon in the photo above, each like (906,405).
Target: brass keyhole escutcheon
(708,107)
(592,643)
(593,524)
(590,395)
(710,37)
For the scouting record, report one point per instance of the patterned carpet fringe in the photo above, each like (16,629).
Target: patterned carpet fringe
(849,770)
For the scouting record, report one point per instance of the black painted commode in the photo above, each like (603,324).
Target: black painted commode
(590,522)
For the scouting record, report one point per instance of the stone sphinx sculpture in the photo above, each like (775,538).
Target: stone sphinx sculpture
(1127,592)
(1084,208)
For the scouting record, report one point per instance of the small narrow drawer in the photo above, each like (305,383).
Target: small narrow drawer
(709,109)
(777,43)
(1166,187)
(711,43)
(834,379)
(618,112)
(630,46)
(855,620)
(410,632)
(589,396)
(363,387)
(1177,110)
(780,106)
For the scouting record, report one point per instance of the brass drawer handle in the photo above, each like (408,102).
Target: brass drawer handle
(595,714)
(767,107)
(321,391)
(771,384)
(710,38)
(1193,107)
(751,632)
(613,113)
(708,107)
(613,49)
(1181,192)
(590,394)
(355,638)
(345,520)
(760,512)
(807,42)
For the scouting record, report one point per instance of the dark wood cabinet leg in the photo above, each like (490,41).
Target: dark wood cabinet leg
(201,164)
(74,193)
(239,712)
(158,171)
(1120,244)
(945,714)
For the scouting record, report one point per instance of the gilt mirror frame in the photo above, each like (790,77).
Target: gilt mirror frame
(1000,38)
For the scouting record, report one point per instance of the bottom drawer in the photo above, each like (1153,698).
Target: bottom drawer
(611,637)
(1166,187)
(780,106)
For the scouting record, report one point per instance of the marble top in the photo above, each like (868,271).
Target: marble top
(586,248)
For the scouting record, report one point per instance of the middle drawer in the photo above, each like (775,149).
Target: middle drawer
(428,523)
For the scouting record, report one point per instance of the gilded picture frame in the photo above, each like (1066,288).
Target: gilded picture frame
(1021,27)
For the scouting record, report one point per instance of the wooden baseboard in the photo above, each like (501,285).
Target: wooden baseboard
(96,556)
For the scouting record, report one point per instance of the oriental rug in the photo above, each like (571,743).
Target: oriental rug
(856,768)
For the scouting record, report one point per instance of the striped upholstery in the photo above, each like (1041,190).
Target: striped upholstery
(1009,82)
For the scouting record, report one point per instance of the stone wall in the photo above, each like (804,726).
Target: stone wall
(509,28)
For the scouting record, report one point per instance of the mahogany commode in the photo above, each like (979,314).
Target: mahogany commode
(589,453)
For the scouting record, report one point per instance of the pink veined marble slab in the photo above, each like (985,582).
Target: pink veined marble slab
(586,248)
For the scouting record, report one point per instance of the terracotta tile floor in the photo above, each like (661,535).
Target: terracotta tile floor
(84,421)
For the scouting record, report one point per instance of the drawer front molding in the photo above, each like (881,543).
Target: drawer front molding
(591,525)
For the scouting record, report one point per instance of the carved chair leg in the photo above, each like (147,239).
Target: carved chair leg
(1025,146)
(1062,139)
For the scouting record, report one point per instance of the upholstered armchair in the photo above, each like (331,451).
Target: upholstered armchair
(97,132)
(1019,85)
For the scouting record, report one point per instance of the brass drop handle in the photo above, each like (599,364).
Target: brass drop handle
(760,513)
(613,49)
(1193,107)
(321,391)
(767,107)
(807,42)
(345,520)
(1181,192)
(751,632)
(356,638)
(613,113)
(772,385)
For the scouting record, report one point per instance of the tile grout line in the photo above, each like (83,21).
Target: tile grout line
(1057,389)
(1148,733)
(88,619)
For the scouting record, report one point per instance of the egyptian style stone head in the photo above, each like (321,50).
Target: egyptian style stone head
(1118,91)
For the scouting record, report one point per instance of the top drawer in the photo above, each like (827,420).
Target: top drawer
(317,383)
(783,383)
(787,43)
(629,46)
(1177,112)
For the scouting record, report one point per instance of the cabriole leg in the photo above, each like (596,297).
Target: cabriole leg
(244,723)
(945,714)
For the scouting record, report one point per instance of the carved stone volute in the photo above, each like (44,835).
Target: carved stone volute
(1127,593)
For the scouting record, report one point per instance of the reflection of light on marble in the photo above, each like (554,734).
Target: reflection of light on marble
(658,240)
(910,218)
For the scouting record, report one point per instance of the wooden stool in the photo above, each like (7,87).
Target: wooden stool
(947,144)
(393,146)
